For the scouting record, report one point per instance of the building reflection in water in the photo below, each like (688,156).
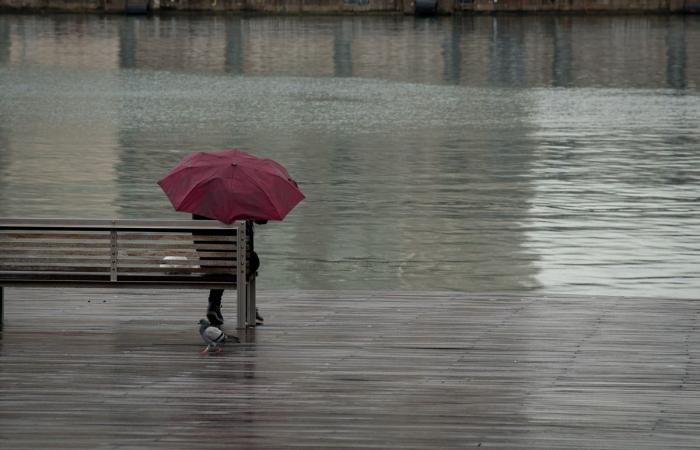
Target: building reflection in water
(676,54)
(127,42)
(342,48)
(234,46)
(452,52)
(560,30)
(412,137)
(488,51)
(5,42)
(507,52)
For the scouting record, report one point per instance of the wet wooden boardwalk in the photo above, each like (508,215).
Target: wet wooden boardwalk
(93,369)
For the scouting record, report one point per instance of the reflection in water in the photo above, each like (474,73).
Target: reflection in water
(4,120)
(676,55)
(4,167)
(452,52)
(507,52)
(234,46)
(127,44)
(4,42)
(470,153)
(631,222)
(560,29)
(342,49)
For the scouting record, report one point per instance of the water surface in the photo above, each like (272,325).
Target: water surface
(526,154)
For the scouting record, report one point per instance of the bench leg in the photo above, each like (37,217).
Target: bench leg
(250,297)
(241,294)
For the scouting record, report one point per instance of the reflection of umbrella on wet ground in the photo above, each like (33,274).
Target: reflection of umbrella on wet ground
(231,185)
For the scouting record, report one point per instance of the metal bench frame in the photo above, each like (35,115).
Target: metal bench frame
(30,267)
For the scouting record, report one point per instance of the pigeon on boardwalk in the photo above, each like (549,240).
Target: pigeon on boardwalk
(213,337)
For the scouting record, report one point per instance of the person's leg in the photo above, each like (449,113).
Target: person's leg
(214,309)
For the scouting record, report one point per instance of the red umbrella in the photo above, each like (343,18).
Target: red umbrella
(231,185)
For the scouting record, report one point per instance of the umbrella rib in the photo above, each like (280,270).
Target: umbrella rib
(254,182)
(191,191)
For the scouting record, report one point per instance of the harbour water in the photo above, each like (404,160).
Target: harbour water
(537,154)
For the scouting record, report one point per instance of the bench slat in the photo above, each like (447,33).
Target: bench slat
(52,244)
(117,224)
(19,277)
(9,261)
(169,283)
(190,255)
(178,262)
(153,275)
(167,245)
(230,279)
(40,269)
(53,252)
(44,236)
(181,270)
(176,237)
(6,235)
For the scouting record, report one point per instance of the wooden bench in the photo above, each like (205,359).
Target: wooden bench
(165,254)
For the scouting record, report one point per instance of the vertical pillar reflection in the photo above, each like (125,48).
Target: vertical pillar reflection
(234,46)
(127,43)
(507,52)
(562,58)
(452,53)
(342,48)
(676,62)
(4,163)
(4,41)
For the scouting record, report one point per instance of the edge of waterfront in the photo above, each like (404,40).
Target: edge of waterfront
(442,7)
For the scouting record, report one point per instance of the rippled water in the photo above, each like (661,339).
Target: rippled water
(547,154)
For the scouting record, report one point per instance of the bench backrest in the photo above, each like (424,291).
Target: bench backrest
(124,252)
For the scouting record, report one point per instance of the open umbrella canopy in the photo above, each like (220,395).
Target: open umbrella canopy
(231,185)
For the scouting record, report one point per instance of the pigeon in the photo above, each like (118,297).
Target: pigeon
(213,337)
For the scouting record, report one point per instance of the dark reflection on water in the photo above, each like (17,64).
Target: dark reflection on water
(557,154)
(676,55)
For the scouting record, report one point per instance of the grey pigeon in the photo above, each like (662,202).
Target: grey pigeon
(213,337)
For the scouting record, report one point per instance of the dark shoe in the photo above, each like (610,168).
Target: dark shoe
(214,316)
(258,318)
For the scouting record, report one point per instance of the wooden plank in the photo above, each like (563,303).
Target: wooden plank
(191,254)
(176,246)
(138,261)
(39,269)
(124,268)
(40,245)
(151,283)
(31,278)
(350,370)
(176,237)
(122,225)
(41,259)
(54,253)
(4,235)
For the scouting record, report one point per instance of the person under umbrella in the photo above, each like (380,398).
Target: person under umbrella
(231,185)
(214,315)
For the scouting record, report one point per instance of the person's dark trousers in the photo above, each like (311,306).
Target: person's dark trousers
(214,308)
(215,298)
(214,315)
